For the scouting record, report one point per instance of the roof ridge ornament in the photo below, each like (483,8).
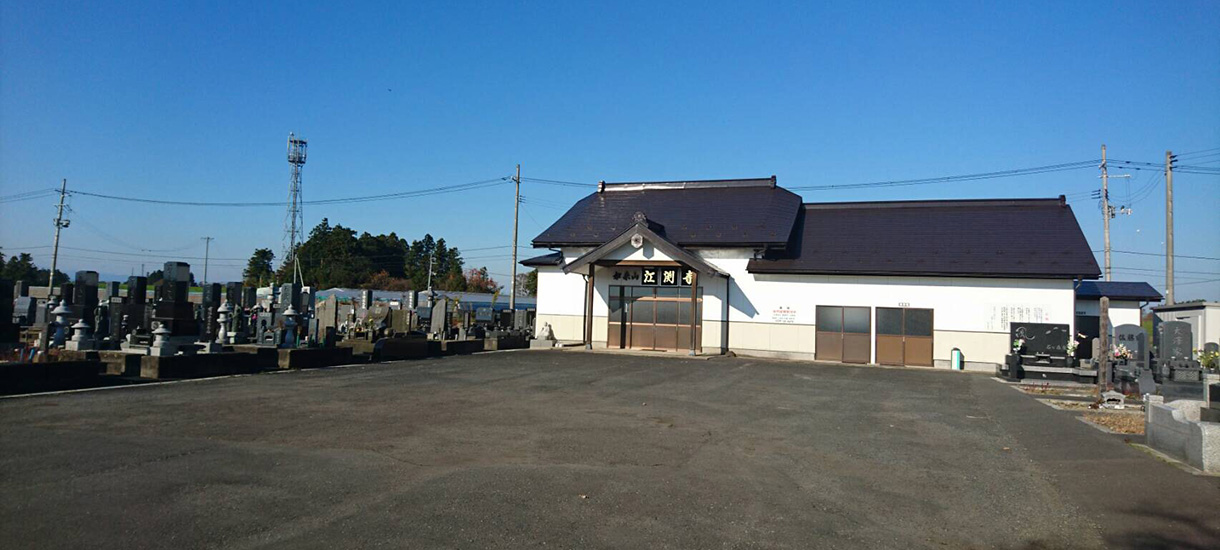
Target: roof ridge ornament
(639,217)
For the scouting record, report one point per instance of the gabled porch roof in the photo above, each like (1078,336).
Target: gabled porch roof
(642,229)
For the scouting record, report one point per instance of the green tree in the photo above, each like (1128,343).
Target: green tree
(530,286)
(258,270)
(21,268)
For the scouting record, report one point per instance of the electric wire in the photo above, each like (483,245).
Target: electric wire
(346,200)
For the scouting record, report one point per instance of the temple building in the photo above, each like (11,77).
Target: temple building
(706,267)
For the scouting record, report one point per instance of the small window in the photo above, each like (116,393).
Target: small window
(830,318)
(855,320)
(889,321)
(918,322)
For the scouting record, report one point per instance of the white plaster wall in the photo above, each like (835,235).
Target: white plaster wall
(1121,312)
(1204,322)
(966,310)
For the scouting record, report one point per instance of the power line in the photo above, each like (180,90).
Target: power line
(963,177)
(1162,254)
(367,198)
(1180,155)
(560,182)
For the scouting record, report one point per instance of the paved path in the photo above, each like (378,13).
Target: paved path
(567,450)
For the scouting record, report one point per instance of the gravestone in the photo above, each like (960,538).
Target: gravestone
(249,297)
(483,315)
(1041,338)
(307,301)
(1135,340)
(177,271)
(233,293)
(1177,342)
(172,310)
(440,317)
(25,309)
(523,319)
(8,330)
(212,296)
(137,290)
(366,299)
(84,297)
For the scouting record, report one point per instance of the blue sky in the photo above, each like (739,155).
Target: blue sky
(193,101)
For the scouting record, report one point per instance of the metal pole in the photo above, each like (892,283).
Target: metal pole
(1105,206)
(207,246)
(1168,227)
(512,296)
(59,224)
(694,310)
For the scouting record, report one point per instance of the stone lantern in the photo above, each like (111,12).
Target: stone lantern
(80,337)
(222,317)
(61,321)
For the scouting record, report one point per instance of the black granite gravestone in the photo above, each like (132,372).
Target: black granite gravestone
(1041,338)
(84,297)
(212,295)
(8,330)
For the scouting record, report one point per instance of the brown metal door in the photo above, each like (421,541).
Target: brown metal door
(889,336)
(857,324)
(842,334)
(828,343)
(917,337)
(904,336)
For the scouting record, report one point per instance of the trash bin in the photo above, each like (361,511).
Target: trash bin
(955,360)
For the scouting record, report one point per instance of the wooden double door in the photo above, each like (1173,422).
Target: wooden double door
(652,318)
(904,336)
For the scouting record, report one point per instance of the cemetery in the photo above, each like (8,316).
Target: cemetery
(88,334)
(1167,378)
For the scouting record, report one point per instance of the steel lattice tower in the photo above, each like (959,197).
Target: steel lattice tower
(294,222)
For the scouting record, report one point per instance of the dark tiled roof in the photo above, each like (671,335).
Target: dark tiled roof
(752,212)
(1117,290)
(1036,238)
(554,258)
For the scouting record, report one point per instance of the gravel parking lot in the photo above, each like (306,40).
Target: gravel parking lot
(580,450)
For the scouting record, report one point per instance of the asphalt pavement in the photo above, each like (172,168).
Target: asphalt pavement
(563,449)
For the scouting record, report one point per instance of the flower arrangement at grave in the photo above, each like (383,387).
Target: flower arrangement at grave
(1017,345)
(1121,353)
(1209,360)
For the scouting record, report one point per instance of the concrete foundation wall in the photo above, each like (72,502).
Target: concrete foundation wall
(1174,429)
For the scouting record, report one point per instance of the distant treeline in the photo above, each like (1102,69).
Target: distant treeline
(335,256)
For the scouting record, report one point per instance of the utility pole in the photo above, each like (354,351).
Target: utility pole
(207,246)
(1105,206)
(1169,158)
(60,223)
(512,295)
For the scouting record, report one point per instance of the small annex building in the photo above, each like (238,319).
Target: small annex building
(744,265)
